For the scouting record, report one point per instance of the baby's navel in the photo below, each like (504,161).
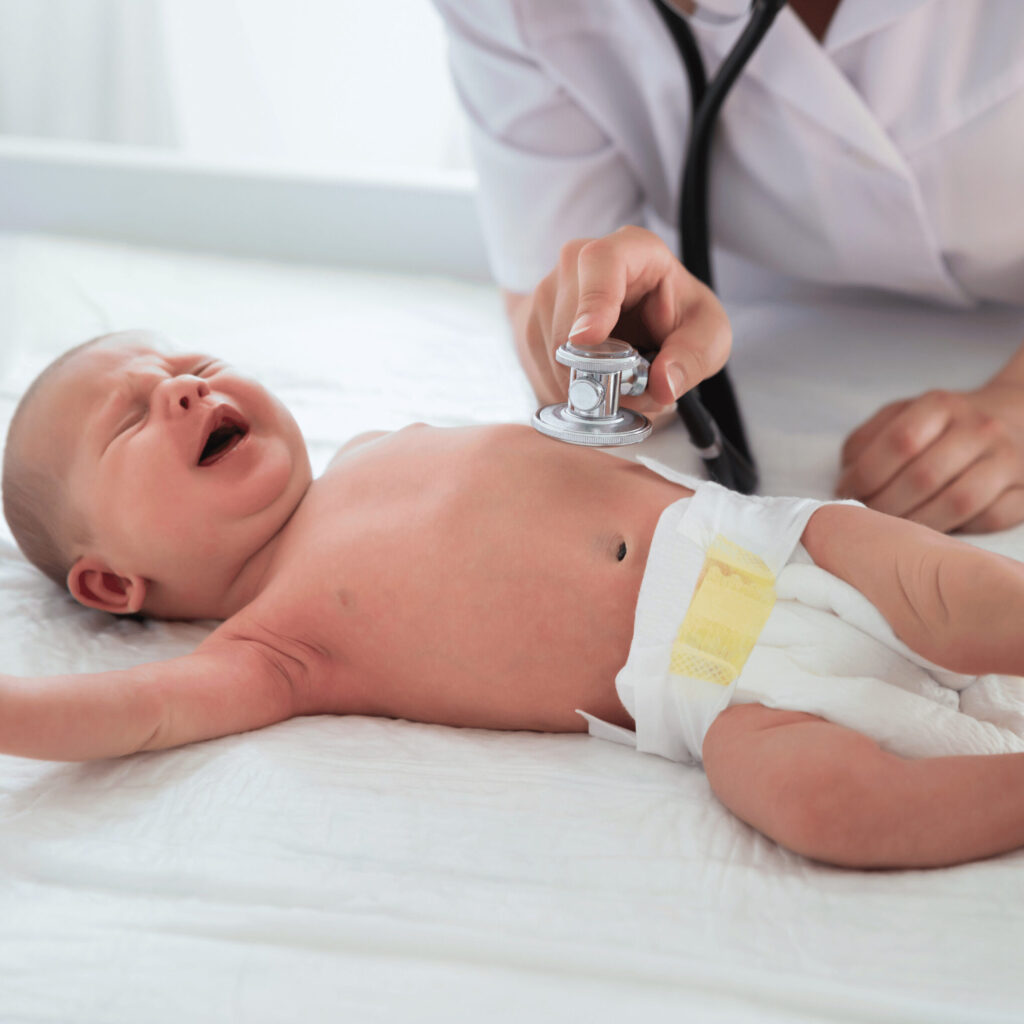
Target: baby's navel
(610,544)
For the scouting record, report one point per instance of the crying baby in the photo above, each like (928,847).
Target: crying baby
(490,577)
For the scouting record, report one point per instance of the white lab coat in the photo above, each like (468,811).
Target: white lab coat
(890,156)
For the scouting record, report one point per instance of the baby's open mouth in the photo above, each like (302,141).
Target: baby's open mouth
(225,436)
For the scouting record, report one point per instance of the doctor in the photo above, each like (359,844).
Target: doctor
(875,143)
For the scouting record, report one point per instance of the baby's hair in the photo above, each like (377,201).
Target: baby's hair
(35,501)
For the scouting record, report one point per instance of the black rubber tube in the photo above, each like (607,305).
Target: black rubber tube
(720,437)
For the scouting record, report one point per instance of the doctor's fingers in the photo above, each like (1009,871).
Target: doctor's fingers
(897,434)
(982,499)
(680,317)
(1006,511)
(956,466)
(616,273)
(933,473)
(860,438)
(537,341)
(566,297)
(696,340)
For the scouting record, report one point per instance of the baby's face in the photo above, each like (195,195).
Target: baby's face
(178,464)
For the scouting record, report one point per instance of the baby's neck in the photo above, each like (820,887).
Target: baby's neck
(224,590)
(250,578)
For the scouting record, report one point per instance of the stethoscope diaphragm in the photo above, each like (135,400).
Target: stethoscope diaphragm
(599,375)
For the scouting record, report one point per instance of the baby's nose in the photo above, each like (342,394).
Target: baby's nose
(184,393)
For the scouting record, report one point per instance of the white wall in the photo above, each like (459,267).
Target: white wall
(84,70)
(310,84)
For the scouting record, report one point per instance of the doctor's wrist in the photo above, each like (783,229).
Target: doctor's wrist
(1011,374)
(1003,398)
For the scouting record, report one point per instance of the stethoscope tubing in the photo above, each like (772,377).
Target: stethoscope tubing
(728,459)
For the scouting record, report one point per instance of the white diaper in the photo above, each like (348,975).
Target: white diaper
(804,640)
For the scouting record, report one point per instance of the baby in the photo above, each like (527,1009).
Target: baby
(490,577)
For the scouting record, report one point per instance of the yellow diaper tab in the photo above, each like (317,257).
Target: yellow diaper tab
(733,598)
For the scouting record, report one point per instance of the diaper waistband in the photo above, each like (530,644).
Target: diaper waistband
(707,590)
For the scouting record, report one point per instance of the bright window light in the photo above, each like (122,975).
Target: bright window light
(347,85)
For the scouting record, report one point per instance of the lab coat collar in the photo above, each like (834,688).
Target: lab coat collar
(855,19)
(791,65)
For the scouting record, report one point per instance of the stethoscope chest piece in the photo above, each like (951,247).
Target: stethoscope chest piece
(599,375)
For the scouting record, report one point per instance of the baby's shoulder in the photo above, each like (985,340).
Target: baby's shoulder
(286,634)
(355,442)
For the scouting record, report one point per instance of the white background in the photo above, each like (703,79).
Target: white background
(328,85)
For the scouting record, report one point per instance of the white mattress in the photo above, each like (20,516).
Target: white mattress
(366,870)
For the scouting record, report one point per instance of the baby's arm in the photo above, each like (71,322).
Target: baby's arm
(223,687)
(834,795)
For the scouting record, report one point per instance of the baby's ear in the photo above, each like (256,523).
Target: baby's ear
(93,583)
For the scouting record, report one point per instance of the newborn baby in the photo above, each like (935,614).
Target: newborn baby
(484,577)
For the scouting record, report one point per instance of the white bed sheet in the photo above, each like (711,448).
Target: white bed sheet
(350,868)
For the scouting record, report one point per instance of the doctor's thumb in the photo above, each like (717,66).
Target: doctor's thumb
(679,366)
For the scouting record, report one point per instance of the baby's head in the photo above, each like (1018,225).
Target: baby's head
(143,479)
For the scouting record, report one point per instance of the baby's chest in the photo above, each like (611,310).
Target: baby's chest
(393,599)
(433,626)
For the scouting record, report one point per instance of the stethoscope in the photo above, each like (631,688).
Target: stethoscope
(600,374)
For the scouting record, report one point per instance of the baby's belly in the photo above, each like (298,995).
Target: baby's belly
(522,652)
(517,638)
(502,598)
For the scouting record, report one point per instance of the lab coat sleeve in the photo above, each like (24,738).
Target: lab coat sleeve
(547,172)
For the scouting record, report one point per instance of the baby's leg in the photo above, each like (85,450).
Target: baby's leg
(958,606)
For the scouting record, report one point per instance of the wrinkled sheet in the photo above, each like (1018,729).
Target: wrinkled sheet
(367,870)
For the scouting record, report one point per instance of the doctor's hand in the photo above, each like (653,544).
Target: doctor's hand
(953,460)
(628,285)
